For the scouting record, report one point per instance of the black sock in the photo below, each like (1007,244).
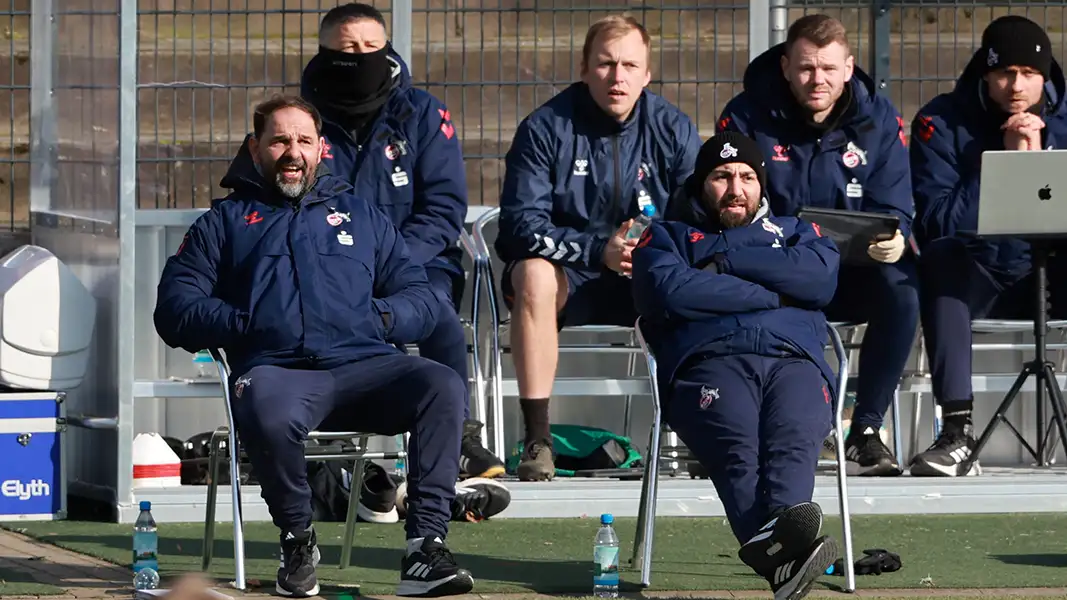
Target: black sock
(957,415)
(535,416)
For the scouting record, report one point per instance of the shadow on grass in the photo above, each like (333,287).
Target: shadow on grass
(1032,560)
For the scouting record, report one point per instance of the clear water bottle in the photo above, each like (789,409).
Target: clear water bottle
(146,579)
(606,560)
(641,223)
(399,466)
(145,543)
(205,365)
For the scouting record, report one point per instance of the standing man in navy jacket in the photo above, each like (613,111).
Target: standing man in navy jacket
(579,169)
(307,288)
(834,142)
(397,146)
(730,300)
(1011,96)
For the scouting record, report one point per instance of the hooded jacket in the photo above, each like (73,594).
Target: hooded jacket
(948,137)
(757,289)
(316,285)
(860,162)
(410,166)
(574,175)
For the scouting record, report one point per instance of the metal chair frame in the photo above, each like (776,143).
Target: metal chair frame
(650,483)
(228,435)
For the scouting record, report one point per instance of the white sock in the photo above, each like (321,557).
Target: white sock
(414,545)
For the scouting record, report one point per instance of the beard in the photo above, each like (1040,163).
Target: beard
(292,188)
(730,218)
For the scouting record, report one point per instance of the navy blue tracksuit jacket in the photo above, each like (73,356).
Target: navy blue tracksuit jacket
(410,165)
(276,285)
(948,137)
(860,163)
(574,175)
(776,276)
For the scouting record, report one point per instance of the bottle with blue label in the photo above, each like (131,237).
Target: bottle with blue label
(642,222)
(145,549)
(606,560)
(205,365)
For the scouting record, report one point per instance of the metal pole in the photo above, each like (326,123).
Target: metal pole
(42,105)
(401,37)
(127,208)
(759,27)
(779,18)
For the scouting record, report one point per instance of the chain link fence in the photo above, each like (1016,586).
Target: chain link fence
(203,64)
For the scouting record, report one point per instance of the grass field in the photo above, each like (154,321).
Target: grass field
(552,556)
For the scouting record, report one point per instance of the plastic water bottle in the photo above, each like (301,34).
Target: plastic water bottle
(205,365)
(641,223)
(145,546)
(146,579)
(606,560)
(398,465)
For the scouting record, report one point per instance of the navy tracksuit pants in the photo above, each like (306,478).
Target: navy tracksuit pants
(957,288)
(447,343)
(384,394)
(757,425)
(886,297)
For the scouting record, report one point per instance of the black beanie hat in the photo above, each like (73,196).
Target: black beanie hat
(1013,40)
(724,148)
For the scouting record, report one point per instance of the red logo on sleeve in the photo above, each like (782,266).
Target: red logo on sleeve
(723,124)
(695,237)
(446,123)
(925,128)
(818,232)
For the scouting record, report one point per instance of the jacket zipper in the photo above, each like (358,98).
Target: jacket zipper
(618,210)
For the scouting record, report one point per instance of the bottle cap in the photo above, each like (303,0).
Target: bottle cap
(146,505)
(649,210)
(606,519)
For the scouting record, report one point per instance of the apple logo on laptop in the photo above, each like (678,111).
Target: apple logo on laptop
(1044,193)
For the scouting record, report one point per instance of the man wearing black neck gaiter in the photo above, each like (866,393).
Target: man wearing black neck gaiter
(399,149)
(1009,97)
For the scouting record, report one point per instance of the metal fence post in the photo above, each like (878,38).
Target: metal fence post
(779,20)
(42,105)
(879,44)
(401,37)
(759,27)
(127,207)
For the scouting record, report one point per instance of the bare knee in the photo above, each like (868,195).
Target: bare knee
(539,285)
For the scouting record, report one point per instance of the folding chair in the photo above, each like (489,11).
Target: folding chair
(228,434)
(584,386)
(646,515)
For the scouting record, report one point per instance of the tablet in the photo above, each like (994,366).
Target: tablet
(852,230)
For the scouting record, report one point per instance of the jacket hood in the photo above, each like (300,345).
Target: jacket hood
(689,209)
(244,177)
(770,91)
(971,85)
(401,73)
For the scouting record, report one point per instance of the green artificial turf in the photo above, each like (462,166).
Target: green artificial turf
(554,555)
(17,583)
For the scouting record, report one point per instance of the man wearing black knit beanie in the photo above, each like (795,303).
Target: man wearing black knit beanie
(730,298)
(835,142)
(1011,96)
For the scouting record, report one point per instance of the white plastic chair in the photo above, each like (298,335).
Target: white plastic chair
(646,520)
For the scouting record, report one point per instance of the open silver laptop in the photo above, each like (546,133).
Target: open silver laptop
(1023,193)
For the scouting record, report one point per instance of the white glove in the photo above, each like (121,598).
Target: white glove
(888,251)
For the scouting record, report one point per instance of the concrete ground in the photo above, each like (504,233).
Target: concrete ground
(84,577)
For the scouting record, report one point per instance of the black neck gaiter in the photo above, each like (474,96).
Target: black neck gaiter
(349,88)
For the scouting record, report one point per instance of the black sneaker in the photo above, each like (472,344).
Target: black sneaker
(478,499)
(697,471)
(431,572)
(868,455)
(300,556)
(944,458)
(474,459)
(377,496)
(793,579)
(782,538)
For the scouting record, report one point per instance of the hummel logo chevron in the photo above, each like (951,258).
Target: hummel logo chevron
(550,248)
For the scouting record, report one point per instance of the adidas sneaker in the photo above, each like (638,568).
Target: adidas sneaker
(478,499)
(377,496)
(869,455)
(431,572)
(944,458)
(299,557)
(792,580)
(782,538)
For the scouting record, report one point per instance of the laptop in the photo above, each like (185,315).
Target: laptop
(1023,194)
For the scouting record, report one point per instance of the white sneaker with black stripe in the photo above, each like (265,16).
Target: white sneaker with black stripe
(792,580)
(946,456)
(431,572)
